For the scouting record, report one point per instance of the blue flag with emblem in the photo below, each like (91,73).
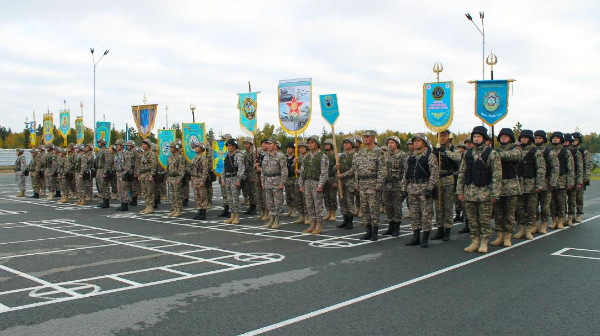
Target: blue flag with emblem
(219,154)
(144,117)
(48,129)
(165,137)
(192,133)
(247,107)
(102,132)
(65,123)
(438,105)
(79,129)
(329,108)
(491,100)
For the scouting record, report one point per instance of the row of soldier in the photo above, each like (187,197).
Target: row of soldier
(509,184)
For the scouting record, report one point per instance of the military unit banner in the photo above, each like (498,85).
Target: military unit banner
(144,116)
(491,100)
(219,154)
(65,123)
(32,139)
(165,137)
(294,98)
(79,130)
(48,128)
(329,108)
(102,132)
(192,133)
(438,107)
(247,107)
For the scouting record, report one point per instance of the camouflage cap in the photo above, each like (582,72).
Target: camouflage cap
(147,142)
(34,151)
(369,133)
(358,139)
(102,141)
(271,140)
(249,140)
(394,138)
(461,144)
(314,138)
(90,145)
(278,144)
(328,142)
(42,147)
(302,144)
(420,136)
(71,145)
(384,148)
(350,141)
(50,147)
(19,150)
(226,136)
(130,143)
(468,140)
(120,142)
(199,144)
(173,144)
(409,142)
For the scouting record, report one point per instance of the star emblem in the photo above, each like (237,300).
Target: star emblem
(294,106)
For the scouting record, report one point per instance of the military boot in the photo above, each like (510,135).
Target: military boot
(368,233)
(21,193)
(318,229)
(236,218)
(50,196)
(327,215)
(425,239)
(390,228)
(554,223)
(177,212)
(458,217)
(105,203)
(570,220)
(528,234)
(578,218)
(275,223)
(350,223)
(265,215)
(269,224)
(500,239)
(251,210)
(396,229)
(145,210)
(313,226)
(375,233)
(149,209)
(415,240)
(289,214)
(483,246)
(543,228)
(35,195)
(133,201)
(300,219)
(202,215)
(534,228)
(439,234)
(225,211)
(507,237)
(521,233)
(307,220)
(447,234)
(230,219)
(294,212)
(474,245)
(560,225)
(465,229)
(333,216)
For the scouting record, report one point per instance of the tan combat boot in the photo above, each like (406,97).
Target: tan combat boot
(313,226)
(78,201)
(578,218)
(21,193)
(507,242)
(294,212)
(521,233)
(265,215)
(543,228)
(275,223)
(554,222)
(474,245)
(82,201)
(332,218)
(534,228)
(560,224)
(270,222)
(50,197)
(231,218)
(307,220)
(177,212)
(289,214)
(64,199)
(145,210)
(236,219)
(300,219)
(318,228)
(570,220)
(483,246)
(528,234)
(328,215)
(149,209)
(500,239)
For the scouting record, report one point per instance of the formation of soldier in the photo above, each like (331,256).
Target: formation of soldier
(527,185)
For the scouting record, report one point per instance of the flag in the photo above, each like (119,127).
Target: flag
(247,107)
(48,128)
(144,116)
(192,133)
(438,108)
(102,132)
(295,104)
(165,137)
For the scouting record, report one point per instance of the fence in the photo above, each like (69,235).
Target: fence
(9,156)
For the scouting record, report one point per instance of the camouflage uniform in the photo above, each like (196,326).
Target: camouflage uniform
(104,172)
(146,169)
(348,181)
(566,179)
(450,160)
(35,170)
(588,166)
(20,167)
(82,167)
(89,156)
(199,169)
(506,206)
(369,170)
(394,165)
(136,185)
(233,172)
(175,172)
(533,170)
(50,171)
(124,172)
(293,197)
(330,190)
(71,182)
(302,209)
(572,193)
(250,184)
(313,175)
(274,174)
(66,175)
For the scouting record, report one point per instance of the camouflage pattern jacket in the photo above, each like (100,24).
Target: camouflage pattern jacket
(309,168)
(530,185)
(510,155)
(369,168)
(274,170)
(394,165)
(473,193)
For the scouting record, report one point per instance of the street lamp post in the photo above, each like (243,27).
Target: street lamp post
(482,32)
(167,115)
(193,108)
(95,64)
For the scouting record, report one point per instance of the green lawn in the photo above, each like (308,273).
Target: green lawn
(596,174)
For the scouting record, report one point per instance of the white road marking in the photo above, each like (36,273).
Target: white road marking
(561,253)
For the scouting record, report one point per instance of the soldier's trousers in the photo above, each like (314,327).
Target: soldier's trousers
(480,218)
(50,182)
(579,199)
(123,188)
(369,206)
(314,201)
(233,194)
(444,215)
(81,187)
(223,191)
(293,197)
(163,189)
(185,191)
(421,211)
(21,181)
(526,208)
(64,185)
(504,213)
(35,183)
(347,206)
(457,204)
(257,193)
(330,194)
(274,201)
(42,182)
(102,184)
(248,191)
(114,185)
(176,190)
(72,186)
(544,199)
(136,186)
(392,199)
(148,190)
(357,200)
(200,193)
(558,202)
(209,193)
(572,201)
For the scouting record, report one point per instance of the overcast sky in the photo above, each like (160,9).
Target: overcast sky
(374,54)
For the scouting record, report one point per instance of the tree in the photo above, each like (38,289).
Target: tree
(517,129)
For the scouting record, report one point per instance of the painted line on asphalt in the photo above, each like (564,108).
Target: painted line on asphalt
(395,287)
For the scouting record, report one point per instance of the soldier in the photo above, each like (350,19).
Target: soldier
(550,178)
(42,176)
(449,161)
(66,175)
(302,151)
(176,167)
(82,169)
(124,173)
(293,197)
(60,170)
(89,156)
(564,182)
(233,173)
(368,169)
(274,174)
(394,165)
(146,170)
(160,180)
(35,171)
(331,187)
(20,171)
(418,183)
(313,176)
(250,183)
(104,172)
(358,143)
(588,166)
(264,148)
(506,206)
(113,181)
(462,148)
(199,169)
(479,186)
(49,172)
(136,185)
(347,178)
(72,189)
(578,165)
(225,211)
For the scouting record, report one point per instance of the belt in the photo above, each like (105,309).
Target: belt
(230,174)
(271,175)
(394,180)
(144,171)
(367,177)
(418,181)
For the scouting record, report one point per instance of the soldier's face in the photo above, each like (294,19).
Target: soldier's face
(246,145)
(418,144)
(145,146)
(290,151)
(264,146)
(328,147)
(504,139)
(575,142)
(368,139)
(411,147)
(392,145)
(444,137)
(173,150)
(347,145)
(462,150)
(230,148)
(312,145)
(524,140)
(539,140)
(197,149)
(302,150)
(567,143)
(555,140)
(477,138)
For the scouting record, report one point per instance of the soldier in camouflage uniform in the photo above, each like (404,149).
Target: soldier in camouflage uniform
(113,181)
(302,151)
(578,165)
(274,174)
(60,170)
(449,161)
(564,182)
(20,167)
(394,165)
(146,169)
(136,185)
(550,178)
(588,166)
(418,185)
(369,170)
(66,175)
(160,181)
(35,167)
(42,176)
(358,143)
(331,187)
(293,197)
(72,188)
(233,174)
(176,168)
(124,173)
(49,172)
(89,156)
(221,180)
(479,186)
(104,172)
(250,184)
(82,169)
(313,176)
(506,206)
(347,178)
(199,169)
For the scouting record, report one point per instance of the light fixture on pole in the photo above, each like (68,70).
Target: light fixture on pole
(81,105)
(193,108)
(167,115)
(95,64)
(482,32)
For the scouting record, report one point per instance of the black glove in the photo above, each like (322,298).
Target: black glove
(404,194)
(428,194)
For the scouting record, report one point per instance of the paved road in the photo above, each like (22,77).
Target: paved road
(73,270)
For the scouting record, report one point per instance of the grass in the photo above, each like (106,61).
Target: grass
(595,174)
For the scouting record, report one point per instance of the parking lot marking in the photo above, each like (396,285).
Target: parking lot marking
(561,253)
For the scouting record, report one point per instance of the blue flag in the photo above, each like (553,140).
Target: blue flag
(192,133)
(491,100)
(248,105)
(438,108)
(329,108)
(102,132)
(165,137)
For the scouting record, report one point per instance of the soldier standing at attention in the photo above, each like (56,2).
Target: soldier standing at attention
(358,144)
(146,171)
(136,185)
(293,197)
(313,176)
(564,182)
(49,170)
(20,167)
(175,175)
(60,171)
(578,165)
(274,174)
(66,175)
(34,172)
(479,186)
(199,169)
(250,184)
(264,148)
(89,156)
(506,206)
(221,179)
(72,192)
(331,187)
(394,164)
(368,168)
(104,172)
(588,166)
(82,169)
(348,180)
(302,151)
(233,173)
(124,171)
(420,179)
(550,178)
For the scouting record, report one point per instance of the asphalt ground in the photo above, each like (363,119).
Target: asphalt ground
(79,270)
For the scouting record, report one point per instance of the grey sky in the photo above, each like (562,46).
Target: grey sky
(374,54)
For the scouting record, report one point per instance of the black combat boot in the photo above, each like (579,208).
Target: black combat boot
(374,235)
(396,230)
(416,238)
(123,207)
(156,202)
(202,214)
(350,223)
(368,233)
(425,239)
(447,234)
(225,212)
(57,194)
(466,228)
(390,228)
(105,203)
(458,217)
(251,210)
(344,223)
(198,214)
(439,234)
(35,195)
(133,201)
(186,202)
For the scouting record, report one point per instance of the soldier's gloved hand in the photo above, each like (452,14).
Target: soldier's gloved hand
(404,194)
(428,193)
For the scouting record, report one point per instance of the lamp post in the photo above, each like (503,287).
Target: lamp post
(193,108)
(167,115)
(482,32)
(95,64)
